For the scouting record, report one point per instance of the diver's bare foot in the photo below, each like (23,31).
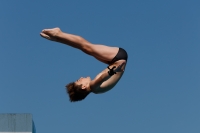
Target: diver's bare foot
(50,34)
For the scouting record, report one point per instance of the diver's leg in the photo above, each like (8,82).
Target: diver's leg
(101,52)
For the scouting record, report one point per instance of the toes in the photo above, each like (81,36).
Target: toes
(44,35)
(46,30)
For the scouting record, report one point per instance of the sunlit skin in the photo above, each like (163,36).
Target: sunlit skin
(85,82)
(103,81)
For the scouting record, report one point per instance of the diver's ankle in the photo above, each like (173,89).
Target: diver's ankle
(58,33)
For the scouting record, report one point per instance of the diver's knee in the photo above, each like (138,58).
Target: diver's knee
(87,48)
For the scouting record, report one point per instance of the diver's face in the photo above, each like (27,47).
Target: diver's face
(84,81)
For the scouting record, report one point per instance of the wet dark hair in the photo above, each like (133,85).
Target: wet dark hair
(75,92)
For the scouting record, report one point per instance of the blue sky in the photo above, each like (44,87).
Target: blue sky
(159,92)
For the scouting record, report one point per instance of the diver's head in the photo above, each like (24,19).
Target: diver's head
(79,89)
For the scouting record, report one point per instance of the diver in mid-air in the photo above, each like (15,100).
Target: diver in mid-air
(114,57)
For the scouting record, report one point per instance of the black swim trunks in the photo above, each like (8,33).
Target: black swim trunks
(121,55)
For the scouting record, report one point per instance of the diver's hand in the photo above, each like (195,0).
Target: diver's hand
(120,68)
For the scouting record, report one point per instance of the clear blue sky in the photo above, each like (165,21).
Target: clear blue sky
(159,92)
